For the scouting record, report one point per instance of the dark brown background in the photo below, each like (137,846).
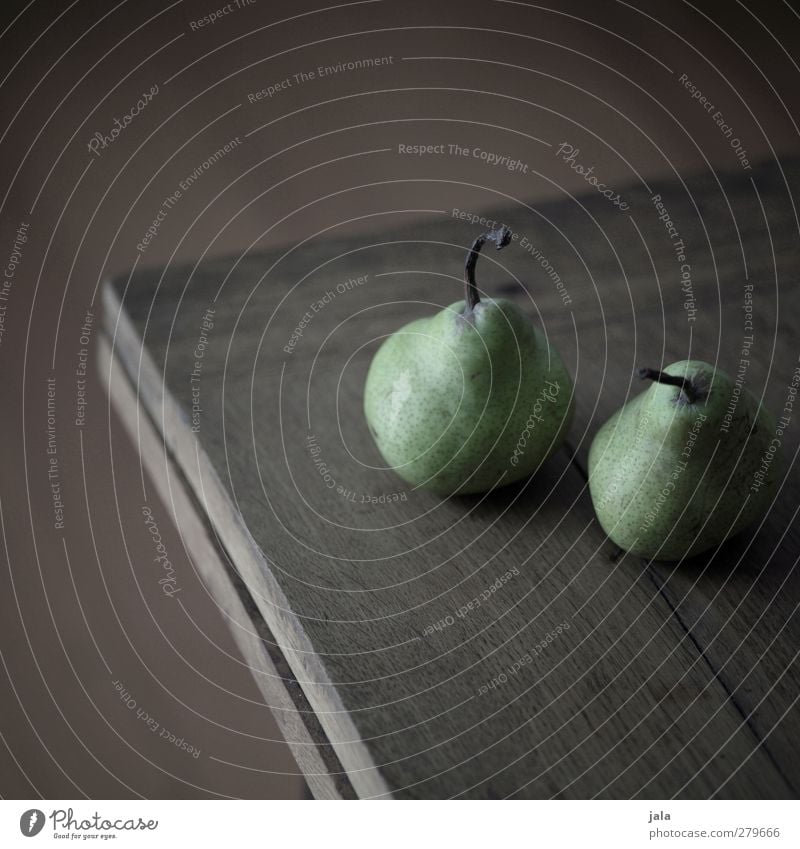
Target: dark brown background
(78,611)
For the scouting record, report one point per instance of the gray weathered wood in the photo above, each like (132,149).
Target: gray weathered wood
(740,603)
(295,717)
(622,703)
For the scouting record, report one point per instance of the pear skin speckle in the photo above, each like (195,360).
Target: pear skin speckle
(671,479)
(461,405)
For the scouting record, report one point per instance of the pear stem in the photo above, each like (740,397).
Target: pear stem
(501,237)
(670,380)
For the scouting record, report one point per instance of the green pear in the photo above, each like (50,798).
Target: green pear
(471,398)
(684,465)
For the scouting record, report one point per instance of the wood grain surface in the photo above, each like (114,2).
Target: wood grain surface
(491,646)
(296,719)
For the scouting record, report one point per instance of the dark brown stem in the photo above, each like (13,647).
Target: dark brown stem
(670,380)
(501,237)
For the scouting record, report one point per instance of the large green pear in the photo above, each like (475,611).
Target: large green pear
(684,465)
(471,398)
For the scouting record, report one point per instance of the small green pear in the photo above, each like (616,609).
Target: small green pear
(684,465)
(471,398)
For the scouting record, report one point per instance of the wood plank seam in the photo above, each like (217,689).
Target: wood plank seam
(746,717)
(716,673)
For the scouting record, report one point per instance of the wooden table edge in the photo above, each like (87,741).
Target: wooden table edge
(310,715)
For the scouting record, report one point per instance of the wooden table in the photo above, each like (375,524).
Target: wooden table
(575,673)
